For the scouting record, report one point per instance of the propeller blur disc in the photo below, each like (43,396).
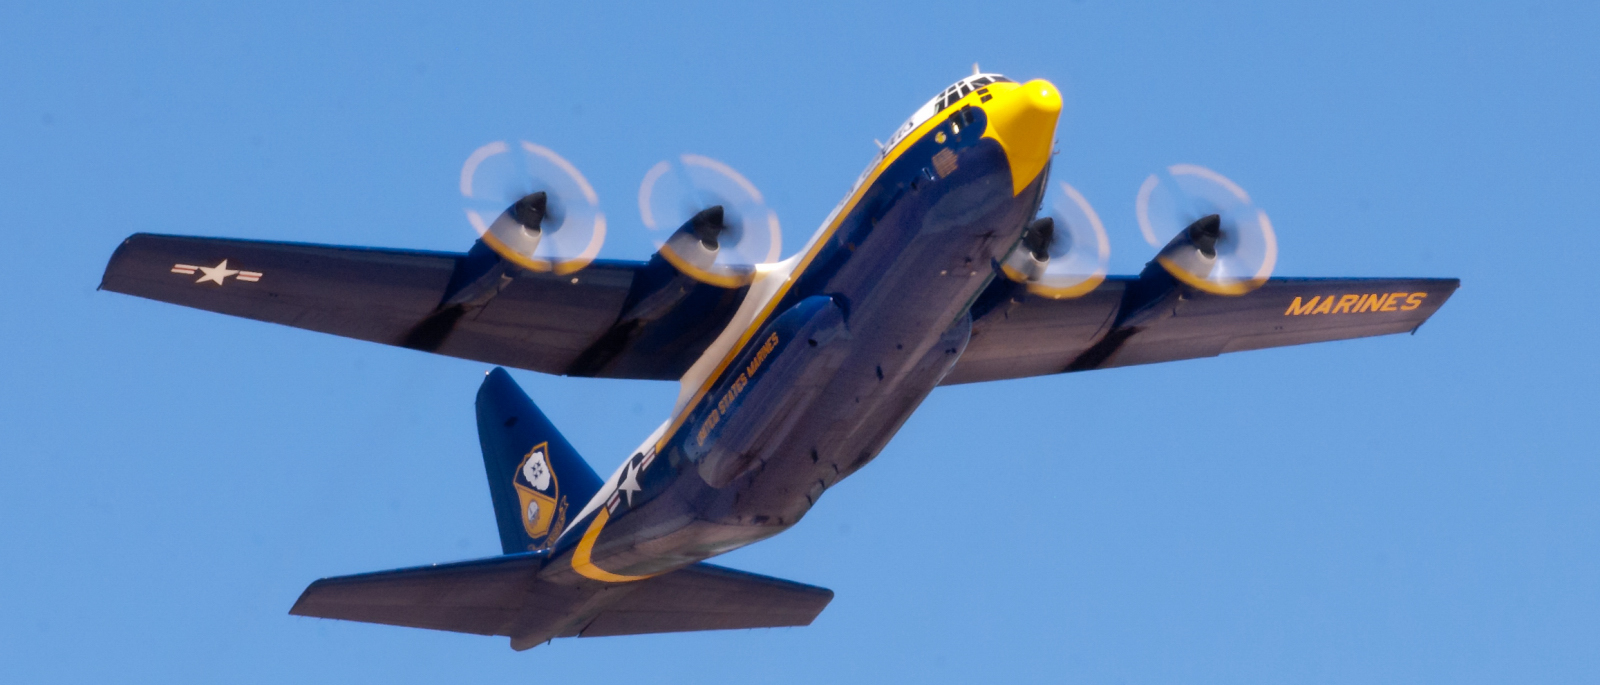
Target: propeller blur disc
(532,206)
(1236,252)
(1065,252)
(709,220)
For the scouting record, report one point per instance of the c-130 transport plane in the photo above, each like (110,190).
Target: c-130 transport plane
(934,270)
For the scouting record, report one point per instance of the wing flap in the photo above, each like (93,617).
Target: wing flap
(543,322)
(1019,336)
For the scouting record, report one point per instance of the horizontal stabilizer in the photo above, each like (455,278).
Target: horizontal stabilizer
(708,597)
(502,596)
(482,596)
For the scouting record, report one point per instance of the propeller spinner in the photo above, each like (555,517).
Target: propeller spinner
(1064,253)
(1220,242)
(532,207)
(723,227)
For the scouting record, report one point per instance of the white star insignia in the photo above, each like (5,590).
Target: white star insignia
(630,483)
(216,273)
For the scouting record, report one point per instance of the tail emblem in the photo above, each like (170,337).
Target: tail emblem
(544,512)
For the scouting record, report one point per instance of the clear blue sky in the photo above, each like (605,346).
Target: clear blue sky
(1406,509)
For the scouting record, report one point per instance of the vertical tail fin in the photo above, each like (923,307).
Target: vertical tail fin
(535,477)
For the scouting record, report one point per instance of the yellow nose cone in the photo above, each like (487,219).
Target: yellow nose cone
(1023,120)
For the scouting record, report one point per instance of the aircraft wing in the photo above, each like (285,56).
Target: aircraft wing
(502,596)
(615,319)
(622,319)
(1149,319)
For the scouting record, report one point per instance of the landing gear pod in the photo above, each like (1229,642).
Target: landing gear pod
(776,378)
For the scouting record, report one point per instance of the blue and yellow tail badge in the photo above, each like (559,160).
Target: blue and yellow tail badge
(534,474)
(544,512)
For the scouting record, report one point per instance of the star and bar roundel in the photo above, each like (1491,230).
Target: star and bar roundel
(216,274)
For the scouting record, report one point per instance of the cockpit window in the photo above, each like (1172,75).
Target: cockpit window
(941,102)
(965,87)
(932,108)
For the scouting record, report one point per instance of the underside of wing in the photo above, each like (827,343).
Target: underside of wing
(614,319)
(1152,318)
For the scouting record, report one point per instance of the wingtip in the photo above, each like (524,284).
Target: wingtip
(300,606)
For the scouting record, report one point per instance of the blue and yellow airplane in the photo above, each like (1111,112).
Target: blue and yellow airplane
(934,270)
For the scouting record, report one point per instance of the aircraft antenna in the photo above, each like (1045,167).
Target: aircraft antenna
(975,71)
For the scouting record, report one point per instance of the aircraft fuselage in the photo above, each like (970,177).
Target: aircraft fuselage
(843,343)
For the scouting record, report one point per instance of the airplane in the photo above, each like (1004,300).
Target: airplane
(935,269)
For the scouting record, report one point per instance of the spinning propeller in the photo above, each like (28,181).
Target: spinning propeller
(1220,242)
(723,227)
(1063,253)
(532,207)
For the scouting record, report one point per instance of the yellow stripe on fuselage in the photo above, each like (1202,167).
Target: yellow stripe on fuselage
(584,565)
(1024,135)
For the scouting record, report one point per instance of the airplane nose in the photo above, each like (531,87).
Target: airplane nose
(1023,120)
